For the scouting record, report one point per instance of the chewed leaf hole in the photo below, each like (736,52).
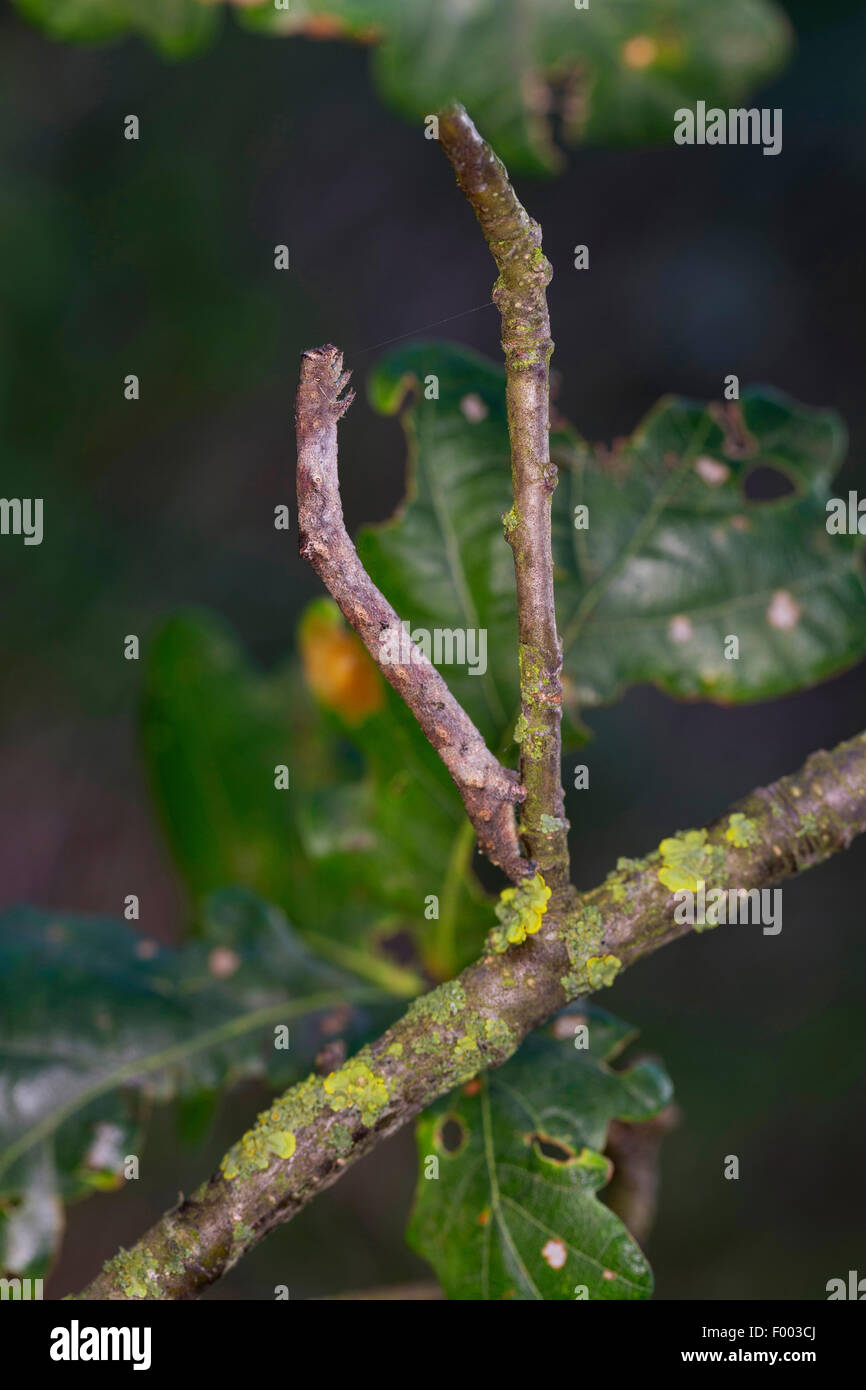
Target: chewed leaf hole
(554,1149)
(767,484)
(452,1135)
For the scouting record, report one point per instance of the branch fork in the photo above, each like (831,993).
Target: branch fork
(586,938)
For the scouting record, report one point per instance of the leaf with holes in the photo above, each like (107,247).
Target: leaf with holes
(611,72)
(683,580)
(608,73)
(661,556)
(97,1021)
(514,1211)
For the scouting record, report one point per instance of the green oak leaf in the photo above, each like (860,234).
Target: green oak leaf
(514,1211)
(176,27)
(442,562)
(675,560)
(613,71)
(97,1021)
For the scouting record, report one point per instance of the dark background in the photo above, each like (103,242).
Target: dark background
(156,258)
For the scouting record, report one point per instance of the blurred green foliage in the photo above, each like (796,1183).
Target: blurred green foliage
(611,72)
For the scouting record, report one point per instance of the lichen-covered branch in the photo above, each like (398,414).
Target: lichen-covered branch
(520,295)
(309,1136)
(489,790)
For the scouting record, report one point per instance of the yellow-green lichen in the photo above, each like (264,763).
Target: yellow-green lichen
(602,971)
(395,1050)
(426,1044)
(442,1005)
(583,933)
(256,1150)
(465,1048)
(742,831)
(687,859)
(591,966)
(620,881)
(520,911)
(356,1085)
(497,1032)
(273,1135)
(242,1237)
(624,865)
(135,1273)
(282,1143)
(339,1137)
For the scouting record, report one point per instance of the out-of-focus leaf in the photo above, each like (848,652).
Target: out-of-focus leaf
(214,731)
(214,734)
(96,1019)
(675,560)
(514,1213)
(422,844)
(176,27)
(615,70)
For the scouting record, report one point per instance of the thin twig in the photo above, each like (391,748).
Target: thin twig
(520,294)
(789,826)
(488,789)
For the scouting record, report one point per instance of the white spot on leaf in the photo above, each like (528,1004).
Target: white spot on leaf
(784,611)
(712,472)
(474,408)
(680,629)
(223,962)
(555,1253)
